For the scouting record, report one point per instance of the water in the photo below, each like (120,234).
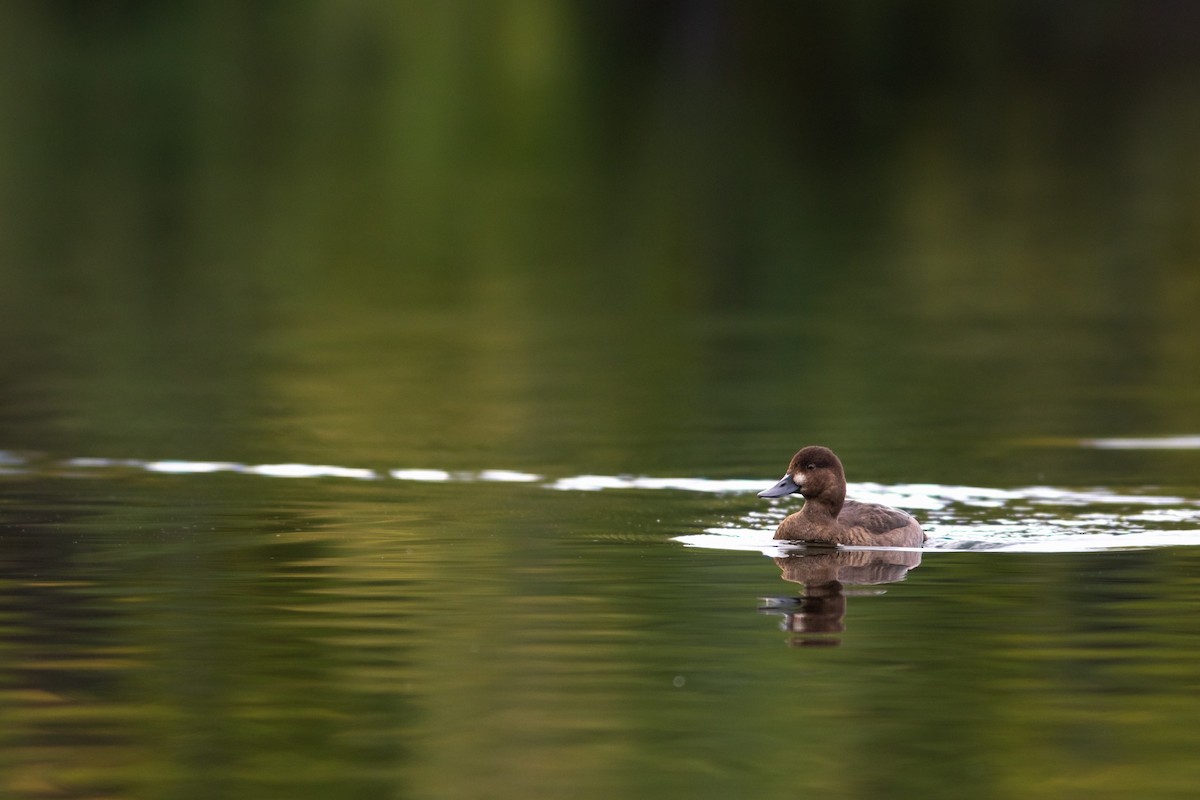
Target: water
(384,393)
(423,634)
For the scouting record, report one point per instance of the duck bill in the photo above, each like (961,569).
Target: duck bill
(785,486)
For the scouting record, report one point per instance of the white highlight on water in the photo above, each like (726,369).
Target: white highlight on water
(311,471)
(1026,519)
(1191,442)
(185,467)
(508,476)
(421,475)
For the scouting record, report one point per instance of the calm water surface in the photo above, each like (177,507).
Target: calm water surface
(332,635)
(384,389)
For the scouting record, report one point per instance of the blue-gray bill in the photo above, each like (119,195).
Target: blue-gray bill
(785,486)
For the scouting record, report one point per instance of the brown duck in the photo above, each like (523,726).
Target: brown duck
(827,517)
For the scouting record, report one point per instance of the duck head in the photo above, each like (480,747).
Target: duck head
(814,472)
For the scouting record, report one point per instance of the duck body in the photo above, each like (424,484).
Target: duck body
(827,517)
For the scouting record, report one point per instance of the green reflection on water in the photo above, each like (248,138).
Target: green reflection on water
(170,636)
(569,240)
(370,226)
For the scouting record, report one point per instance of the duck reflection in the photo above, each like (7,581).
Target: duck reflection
(824,573)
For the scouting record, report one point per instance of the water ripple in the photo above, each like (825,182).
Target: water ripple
(1024,519)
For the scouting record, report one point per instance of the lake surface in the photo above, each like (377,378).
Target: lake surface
(384,394)
(183,629)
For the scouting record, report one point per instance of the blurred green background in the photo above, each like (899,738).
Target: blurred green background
(662,238)
(672,235)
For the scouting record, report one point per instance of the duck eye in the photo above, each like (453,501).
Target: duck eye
(811,466)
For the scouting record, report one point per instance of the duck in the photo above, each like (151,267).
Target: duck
(827,517)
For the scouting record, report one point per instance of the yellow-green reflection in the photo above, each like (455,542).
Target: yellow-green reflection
(620,238)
